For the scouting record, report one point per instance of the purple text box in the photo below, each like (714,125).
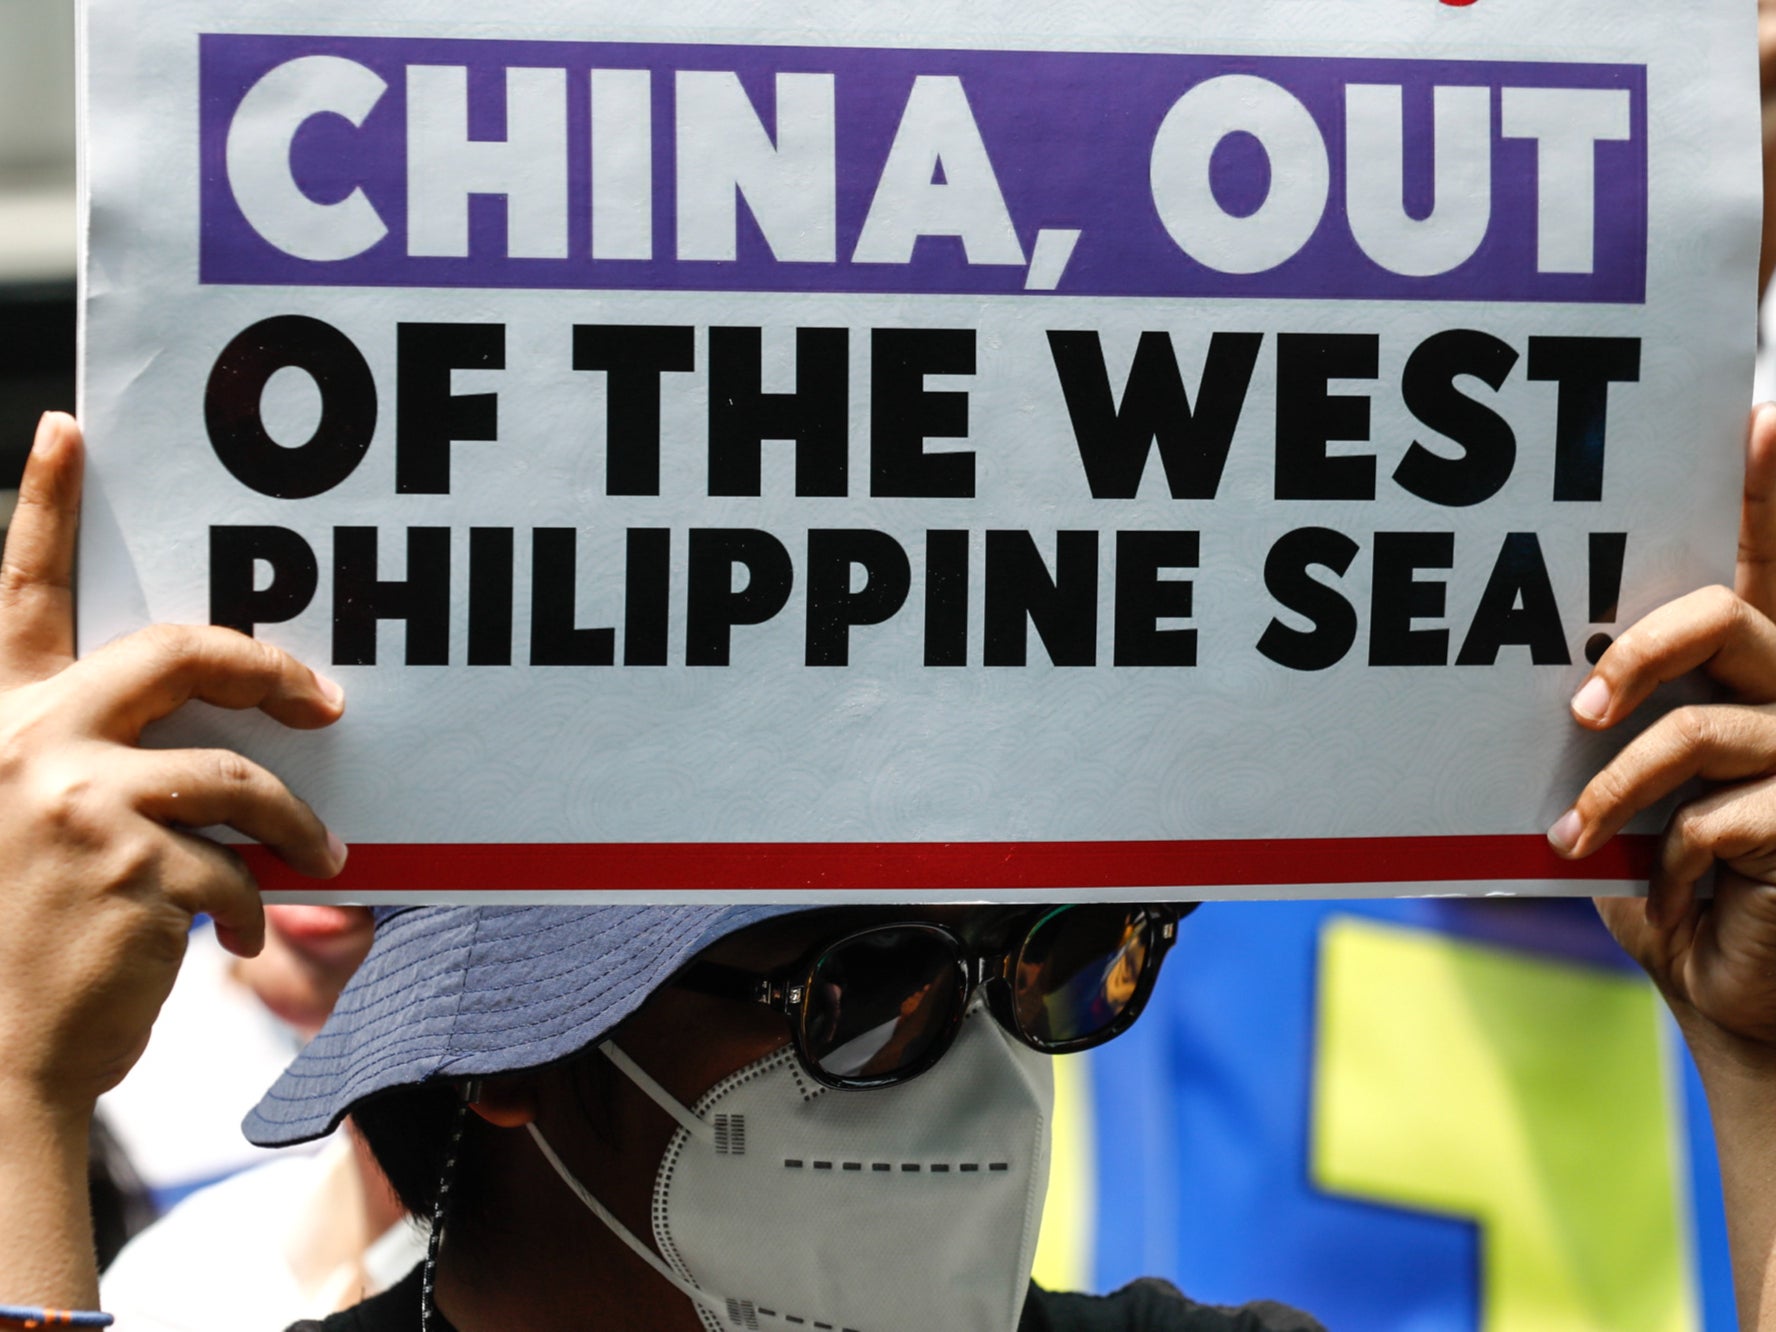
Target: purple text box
(1070,136)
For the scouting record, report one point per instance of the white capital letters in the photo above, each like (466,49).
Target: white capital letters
(1375,179)
(622,164)
(724,151)
(445,166)
(1300,176)
(938,132)
(1567,125)
(259,139)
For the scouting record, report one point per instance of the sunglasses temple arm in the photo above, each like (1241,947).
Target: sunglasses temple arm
(724,982)
(656,1093)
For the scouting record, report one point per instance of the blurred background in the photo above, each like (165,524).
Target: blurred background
(37,227)
(1413,1116)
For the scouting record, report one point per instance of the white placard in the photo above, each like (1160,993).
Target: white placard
(926,450)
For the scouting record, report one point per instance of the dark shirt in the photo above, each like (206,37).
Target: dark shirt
(1143,1306)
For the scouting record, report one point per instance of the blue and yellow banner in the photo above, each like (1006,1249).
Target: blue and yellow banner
(1399,1116)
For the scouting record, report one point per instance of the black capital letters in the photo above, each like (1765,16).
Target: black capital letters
(554,586)
(1143,598)
(1308,417)
(1287,579)
(1114,438)
(904,413)
(833,608)
(816,416)
(1062,606)
(1517,609)
(1584,368)
(634,356)
(1489,449)
(490,596)
(428,416)
(713,607)
(360,598)
(236,600)
(348,407)
(1398,596)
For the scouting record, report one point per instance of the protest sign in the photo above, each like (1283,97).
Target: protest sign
(923,449)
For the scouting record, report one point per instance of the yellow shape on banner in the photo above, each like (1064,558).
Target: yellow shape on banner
(1065,1251)
(1529,1096)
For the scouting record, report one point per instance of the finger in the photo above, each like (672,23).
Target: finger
(1721,743)
(1626,919)
(147,675)
(1756,576)
(1652,929)
(1711,627)
(205,788)
(1737,825)
(1728,973)
(1672,904)
(37,570)
(202,878)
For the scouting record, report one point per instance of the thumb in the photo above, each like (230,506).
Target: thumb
(1756,578)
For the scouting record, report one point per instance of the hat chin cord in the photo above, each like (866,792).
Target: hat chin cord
(447,1178)
(440,1215)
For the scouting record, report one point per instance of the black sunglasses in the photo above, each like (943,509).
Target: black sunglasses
(880,1005)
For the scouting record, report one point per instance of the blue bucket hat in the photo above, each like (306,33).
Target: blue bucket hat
(461,992)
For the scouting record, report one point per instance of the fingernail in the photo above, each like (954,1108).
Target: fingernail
(336,849)
(1593,700)
(1564,835)
(45,433)
(330,689)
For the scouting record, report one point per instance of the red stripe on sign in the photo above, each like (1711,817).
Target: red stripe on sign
(652,867)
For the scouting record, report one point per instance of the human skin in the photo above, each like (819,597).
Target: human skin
(310,953)
(1767,82)
(102,876)
(612,1137)
(1713,959)
(103,880)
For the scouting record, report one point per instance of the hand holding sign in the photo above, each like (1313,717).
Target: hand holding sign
(1714,959)
(102,875)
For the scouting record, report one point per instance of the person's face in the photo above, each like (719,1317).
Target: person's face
(310,953)
(610,1132)
(691,1041)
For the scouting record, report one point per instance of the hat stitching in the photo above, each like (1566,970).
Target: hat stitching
(318,1061)
(627,969)
(462,989)
(386,1057)
(375,993)
(295,1108)
(323,1067)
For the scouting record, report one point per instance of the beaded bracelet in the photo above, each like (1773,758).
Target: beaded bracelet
(20,1315)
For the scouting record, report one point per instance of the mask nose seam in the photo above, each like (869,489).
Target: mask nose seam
(987,1173)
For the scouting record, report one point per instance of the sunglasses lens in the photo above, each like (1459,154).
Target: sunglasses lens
(1079,970)
(879,1003)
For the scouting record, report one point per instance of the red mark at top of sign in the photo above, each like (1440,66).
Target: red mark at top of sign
(1458,2)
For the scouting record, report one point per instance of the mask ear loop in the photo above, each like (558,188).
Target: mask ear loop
(441,1210)
(717,1307)
(697,1128)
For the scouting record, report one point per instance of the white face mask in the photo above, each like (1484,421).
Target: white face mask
(782,1205)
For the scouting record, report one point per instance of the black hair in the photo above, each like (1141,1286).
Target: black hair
(121,1204)
(408,1131)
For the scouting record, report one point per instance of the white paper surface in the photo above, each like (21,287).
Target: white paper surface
(995,175)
